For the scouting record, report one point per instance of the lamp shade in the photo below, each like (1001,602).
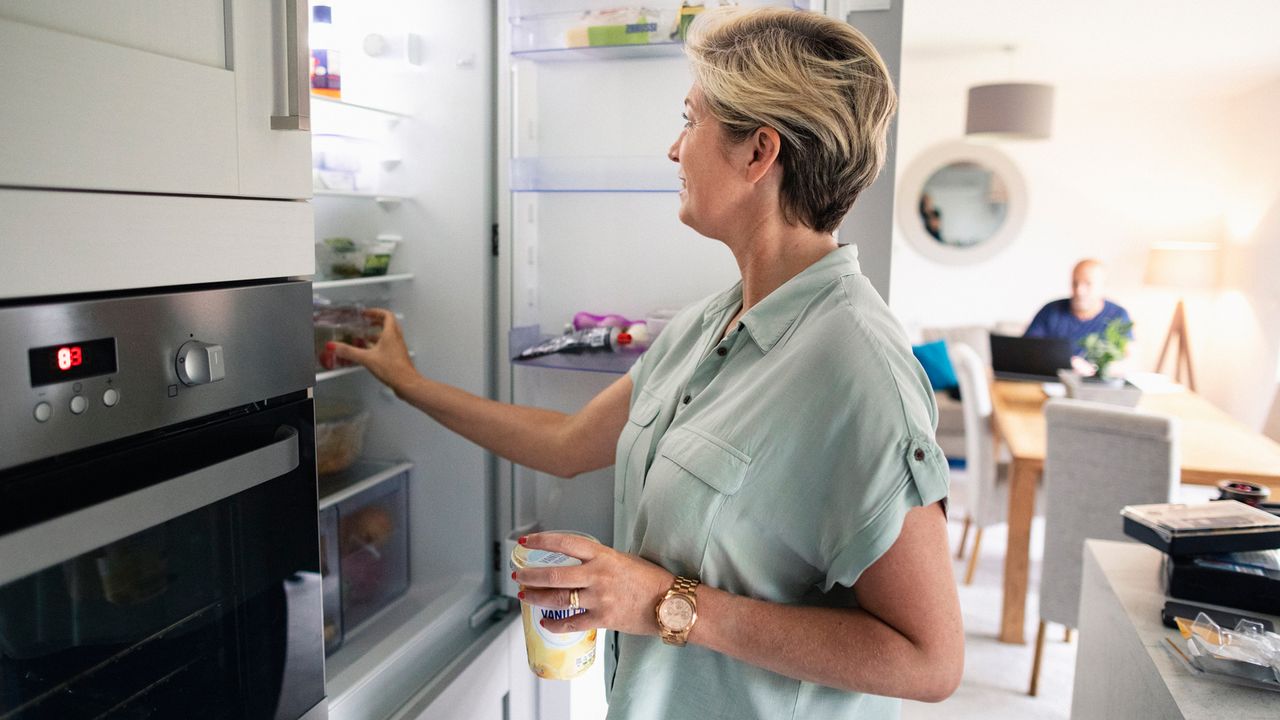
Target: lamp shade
(1183,265)
(1017,111)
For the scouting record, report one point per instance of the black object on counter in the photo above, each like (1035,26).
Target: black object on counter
(1245,580)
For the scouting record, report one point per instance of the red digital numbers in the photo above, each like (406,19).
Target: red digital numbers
(69,357)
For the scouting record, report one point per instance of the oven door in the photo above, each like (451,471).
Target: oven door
(174,575)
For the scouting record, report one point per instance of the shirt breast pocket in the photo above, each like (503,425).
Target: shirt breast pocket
(692,478)
(633,443)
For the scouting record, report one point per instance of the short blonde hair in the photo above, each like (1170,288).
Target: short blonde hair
(817,81)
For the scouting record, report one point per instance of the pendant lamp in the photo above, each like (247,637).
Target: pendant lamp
(1010,111)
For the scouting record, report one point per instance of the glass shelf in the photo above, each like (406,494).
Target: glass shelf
(613,363)
(646,174)
(331,374)
(602,52)
(386,201)
(350,282)
(362,475)
(357,106)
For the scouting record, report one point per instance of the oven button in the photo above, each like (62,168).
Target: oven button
(43,412)
(110,397)
(79,404)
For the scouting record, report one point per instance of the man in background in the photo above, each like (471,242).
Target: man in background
(1087,311)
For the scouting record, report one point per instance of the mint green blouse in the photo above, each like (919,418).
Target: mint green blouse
(777,463)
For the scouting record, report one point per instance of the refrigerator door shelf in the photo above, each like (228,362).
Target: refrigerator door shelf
(615,363)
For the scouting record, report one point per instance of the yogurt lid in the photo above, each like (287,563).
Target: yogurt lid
(524,557)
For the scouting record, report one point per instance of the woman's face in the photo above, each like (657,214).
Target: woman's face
(710,185)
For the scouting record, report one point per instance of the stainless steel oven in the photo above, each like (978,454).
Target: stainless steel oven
(158,540)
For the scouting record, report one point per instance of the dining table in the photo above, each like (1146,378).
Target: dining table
(1213,446)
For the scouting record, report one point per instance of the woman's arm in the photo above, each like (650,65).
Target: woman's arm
(545,440)
(906,640)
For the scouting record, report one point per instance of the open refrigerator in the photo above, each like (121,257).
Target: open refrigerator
(514,155)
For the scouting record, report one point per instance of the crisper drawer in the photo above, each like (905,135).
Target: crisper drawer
(364,543)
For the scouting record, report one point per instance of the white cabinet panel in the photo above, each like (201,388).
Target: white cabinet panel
(480,691)
(191,30)
(170,97)
(70,242)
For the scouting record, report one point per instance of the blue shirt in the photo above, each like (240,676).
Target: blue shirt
(776,462)
(1056,320)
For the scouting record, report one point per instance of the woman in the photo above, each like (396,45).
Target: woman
(774,453)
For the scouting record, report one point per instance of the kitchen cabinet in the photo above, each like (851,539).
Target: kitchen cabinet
(150,96)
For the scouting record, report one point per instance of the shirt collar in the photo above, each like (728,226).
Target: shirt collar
(769,320)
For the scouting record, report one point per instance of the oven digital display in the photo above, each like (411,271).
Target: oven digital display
(72,361)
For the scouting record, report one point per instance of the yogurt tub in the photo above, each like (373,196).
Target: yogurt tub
(553,656)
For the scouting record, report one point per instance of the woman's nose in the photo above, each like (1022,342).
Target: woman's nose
(673,152)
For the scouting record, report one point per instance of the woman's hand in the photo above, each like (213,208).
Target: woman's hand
(618,591)
(388,359)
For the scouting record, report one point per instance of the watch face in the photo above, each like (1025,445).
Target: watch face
(676,613)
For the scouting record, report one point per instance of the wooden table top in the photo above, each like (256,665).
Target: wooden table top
(1213,445)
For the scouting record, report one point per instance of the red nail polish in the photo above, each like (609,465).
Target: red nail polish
(329,346)
(523,540)
(543,623)
(520,595)
(513,576)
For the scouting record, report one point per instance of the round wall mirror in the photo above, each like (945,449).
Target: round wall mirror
(961,203)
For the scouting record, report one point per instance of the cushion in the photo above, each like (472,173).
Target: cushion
(937,365)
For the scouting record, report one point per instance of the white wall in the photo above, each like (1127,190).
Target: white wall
(1126,166)
(1244,366)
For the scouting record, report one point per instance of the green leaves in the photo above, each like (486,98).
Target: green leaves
(1106,347)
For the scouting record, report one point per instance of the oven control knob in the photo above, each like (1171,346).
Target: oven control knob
(199,363)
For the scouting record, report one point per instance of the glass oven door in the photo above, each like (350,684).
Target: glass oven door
(172,576)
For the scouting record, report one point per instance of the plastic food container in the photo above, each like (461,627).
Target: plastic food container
(340,323)
(340,431)
(377,254)
(330,583)
(373,543)
(342,258)
(553,656)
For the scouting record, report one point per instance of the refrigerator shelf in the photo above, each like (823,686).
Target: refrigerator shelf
(373,280)
(331,374)
(386,201)
(359,477)
(644,174)
(602,52)
(357,106)
(613,363)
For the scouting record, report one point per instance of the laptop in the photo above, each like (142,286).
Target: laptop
(1035,359)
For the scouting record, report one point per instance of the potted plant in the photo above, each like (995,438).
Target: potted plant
(1104,348)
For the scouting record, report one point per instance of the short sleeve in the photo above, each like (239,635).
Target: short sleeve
(923,480)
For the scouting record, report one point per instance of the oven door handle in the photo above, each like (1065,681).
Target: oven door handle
(53,542)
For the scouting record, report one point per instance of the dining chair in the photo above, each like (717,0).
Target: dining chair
(986,486)
(1098,458)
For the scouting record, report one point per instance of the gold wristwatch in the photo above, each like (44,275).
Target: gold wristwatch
(677,611)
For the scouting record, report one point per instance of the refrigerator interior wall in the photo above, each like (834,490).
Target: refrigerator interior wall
(425,146)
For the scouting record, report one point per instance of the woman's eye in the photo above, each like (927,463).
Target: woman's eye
(687,121)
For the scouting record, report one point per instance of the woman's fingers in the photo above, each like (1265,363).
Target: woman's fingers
(575,546)
(574,623)
(568,576)
(555,599)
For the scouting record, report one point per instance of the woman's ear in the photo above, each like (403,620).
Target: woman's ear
(765,145)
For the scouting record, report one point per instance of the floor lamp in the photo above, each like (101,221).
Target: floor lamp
(1183,266)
